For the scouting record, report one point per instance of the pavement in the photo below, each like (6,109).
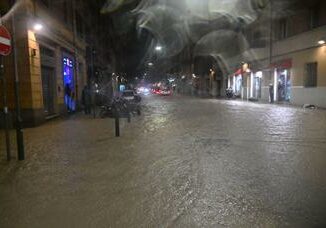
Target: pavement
(185,162)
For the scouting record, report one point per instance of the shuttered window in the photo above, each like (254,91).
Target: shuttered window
(310,79)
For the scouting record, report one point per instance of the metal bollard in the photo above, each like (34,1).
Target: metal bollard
(117,126)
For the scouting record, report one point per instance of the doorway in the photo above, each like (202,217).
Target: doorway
(69,84)
(283,85)
(48,87)
(256,87)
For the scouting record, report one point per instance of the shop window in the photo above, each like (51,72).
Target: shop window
(310,79)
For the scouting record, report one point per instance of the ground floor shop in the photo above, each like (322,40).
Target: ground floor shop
(235,82)
(256,85)
(298,78)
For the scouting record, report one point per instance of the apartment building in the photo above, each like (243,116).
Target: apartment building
(287,64)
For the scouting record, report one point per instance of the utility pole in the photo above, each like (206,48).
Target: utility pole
(19,120)
(270,32)
(271,86)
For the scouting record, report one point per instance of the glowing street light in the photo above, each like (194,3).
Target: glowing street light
(321,42)
(38,26)
(150,64)
(158,48)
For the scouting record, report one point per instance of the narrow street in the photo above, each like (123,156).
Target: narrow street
(185,162)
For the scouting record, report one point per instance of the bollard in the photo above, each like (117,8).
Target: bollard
(117,126)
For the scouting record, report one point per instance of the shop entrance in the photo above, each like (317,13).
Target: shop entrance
(237,80)
(283,85)
(48,87)
(69,84)
(256,84)
(257,87)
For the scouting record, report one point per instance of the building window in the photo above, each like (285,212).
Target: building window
(310,79)
(257,40)
(283,27)
(80,26)
(315,16)
(65,11)
(46,51)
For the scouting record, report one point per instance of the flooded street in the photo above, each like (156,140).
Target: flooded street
(184,163)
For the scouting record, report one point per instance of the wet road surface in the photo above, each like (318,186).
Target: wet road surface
(184,163)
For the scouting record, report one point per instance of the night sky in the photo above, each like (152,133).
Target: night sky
(130,45)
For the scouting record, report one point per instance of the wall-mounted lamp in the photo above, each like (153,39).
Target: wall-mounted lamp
(321,42)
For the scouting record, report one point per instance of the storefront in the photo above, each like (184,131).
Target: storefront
(256,84)
(282,80)
(240,82)
(235,82)
(69,82)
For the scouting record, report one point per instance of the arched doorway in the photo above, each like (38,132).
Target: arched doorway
(211,72)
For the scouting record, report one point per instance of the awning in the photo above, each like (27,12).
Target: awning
(282,64)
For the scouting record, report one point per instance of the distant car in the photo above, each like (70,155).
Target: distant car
(129,95)
(165,92)
(156,91)
(143,90)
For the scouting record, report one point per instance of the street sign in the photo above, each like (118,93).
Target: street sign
(5,41)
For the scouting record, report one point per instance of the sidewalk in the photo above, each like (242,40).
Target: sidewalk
(46,137)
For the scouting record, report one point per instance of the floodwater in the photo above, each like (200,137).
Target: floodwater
(184,163)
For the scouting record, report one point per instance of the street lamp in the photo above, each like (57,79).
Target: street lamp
(38,27)
(321,42)
(150,64)
(158,48)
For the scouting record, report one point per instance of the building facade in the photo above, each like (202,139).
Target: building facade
(287,64)
(51,58)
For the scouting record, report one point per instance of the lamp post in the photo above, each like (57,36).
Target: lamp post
(19,120)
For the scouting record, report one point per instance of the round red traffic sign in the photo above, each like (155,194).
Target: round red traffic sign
(5,41)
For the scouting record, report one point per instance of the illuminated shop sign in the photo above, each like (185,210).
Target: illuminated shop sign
(68,71)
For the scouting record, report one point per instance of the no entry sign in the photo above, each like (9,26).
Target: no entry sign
(5,41)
